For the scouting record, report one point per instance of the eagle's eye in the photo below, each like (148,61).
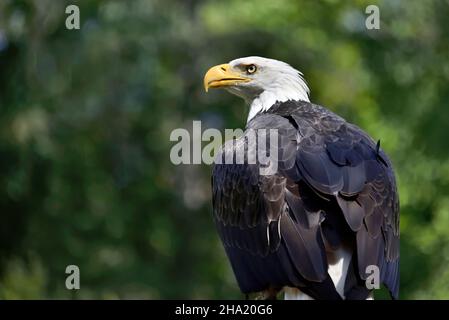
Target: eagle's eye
(250,69)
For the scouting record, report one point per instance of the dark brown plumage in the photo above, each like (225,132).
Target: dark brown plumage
(334,187)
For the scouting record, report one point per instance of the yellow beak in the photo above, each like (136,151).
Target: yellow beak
(221,76)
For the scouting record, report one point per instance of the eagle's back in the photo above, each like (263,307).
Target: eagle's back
(333,188)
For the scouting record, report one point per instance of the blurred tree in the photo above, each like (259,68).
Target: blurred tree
(85,119)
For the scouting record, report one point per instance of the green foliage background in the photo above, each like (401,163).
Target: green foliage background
(85,120)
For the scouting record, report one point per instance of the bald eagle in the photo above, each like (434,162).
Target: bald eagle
(327,217)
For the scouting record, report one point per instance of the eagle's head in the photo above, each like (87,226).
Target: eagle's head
(260,81)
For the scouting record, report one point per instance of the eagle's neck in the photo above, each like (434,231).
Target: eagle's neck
(294,90)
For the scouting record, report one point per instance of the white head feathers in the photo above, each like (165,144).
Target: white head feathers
(272,81)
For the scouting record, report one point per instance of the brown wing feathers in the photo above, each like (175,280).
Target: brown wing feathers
(333,185)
